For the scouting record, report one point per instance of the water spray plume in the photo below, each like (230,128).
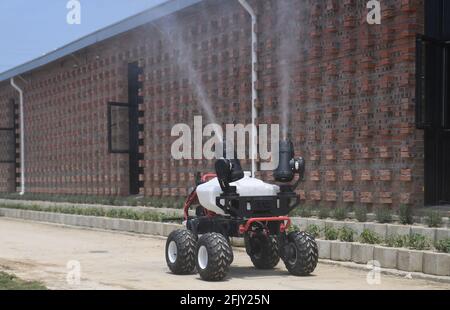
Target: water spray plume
(287,54)
(185,60)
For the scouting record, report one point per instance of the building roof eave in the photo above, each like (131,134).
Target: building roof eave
(123,26)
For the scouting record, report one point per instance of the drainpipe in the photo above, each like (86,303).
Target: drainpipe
(22,138)
(252,13)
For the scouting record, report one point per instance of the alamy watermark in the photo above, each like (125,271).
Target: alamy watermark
(189,144)
(74,15)
(374,275)
(73,277)
(374,15)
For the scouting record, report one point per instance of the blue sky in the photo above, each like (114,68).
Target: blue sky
(29,29)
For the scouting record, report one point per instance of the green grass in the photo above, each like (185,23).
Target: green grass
(314,230)
(324,213)
(330,233)
(434,219)
(10,282)
(370,237)
(384,215)
(406,215)
(414,242)
(346,234)
(157,202)
(361,214)
(340,213)
(443,245)
(95,211)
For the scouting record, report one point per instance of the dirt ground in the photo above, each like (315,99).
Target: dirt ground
(109,260)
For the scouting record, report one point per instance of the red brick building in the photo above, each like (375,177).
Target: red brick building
(352,90)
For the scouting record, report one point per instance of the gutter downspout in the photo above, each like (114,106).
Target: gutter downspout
(252,13)
(22,138)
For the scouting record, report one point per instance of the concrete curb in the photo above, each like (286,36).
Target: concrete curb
(436,263)
(166,211)
(362,253)
(324,248)
(104,223)
(341,251)
(410,260)
(371,217)
(384,230)
(386,256)
(124,225)
(401,259)
(390,272)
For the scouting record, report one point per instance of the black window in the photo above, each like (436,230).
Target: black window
(7,146)
(118,127)
(432,95)
(446,95)
(7,134)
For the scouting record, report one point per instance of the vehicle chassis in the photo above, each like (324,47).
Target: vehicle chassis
(246,216)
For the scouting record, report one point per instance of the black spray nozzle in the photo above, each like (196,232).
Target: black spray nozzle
(284,172)
(288,165)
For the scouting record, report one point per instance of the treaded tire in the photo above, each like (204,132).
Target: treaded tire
(232,253)
(183,261)
(304,255)
(263,251)
(219,255)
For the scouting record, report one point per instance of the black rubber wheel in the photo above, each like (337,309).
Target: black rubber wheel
(214,256)
(232,254)
(180,252)
(302,254)
(263,251)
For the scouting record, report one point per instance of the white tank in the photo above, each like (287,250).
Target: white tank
(246,186)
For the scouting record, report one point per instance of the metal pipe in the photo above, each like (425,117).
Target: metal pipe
(22,137)
(252,13)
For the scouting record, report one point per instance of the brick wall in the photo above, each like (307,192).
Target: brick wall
(353,90)
(351,93)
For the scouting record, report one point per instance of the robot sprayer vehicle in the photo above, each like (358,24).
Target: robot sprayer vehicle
(231,203)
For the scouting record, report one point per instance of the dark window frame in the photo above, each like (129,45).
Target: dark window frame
(446,86)
(13,131)
(424,117)
(110,146)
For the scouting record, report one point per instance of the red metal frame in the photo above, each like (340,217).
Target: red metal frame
(192,198)
(208,177)
(189,201)
(283,226)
